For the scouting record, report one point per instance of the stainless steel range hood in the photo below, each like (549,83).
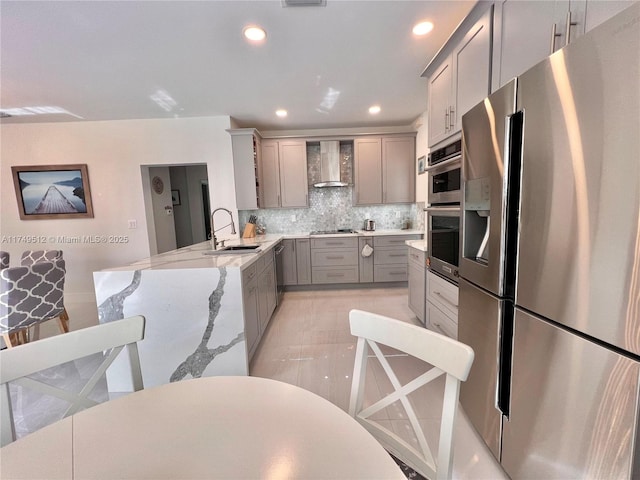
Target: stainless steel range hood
(330,165)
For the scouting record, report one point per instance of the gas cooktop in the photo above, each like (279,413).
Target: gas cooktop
(333,232)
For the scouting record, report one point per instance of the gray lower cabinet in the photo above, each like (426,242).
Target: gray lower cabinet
(442,306)
(250,305)
(266,290)
(365,263)
(259,298)
(296,261)
(390,258)
(417,282)
(303,260)
(289,264)
(334,260)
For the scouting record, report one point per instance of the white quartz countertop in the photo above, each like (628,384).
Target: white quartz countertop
(195,256)
(418,244)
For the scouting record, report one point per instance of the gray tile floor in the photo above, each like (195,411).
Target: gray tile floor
(308,343)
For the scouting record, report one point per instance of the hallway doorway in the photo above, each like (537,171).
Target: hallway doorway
(176,205)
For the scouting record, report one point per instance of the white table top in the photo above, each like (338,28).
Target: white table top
(214,427)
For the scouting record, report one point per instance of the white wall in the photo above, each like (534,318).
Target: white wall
(114,152)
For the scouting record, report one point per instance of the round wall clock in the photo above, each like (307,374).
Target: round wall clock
(158,185)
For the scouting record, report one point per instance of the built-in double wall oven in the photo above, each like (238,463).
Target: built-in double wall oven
(443,212)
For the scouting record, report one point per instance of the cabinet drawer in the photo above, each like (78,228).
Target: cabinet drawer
(335,242)
(334,257)
(264,261)
(391,273)
(249,273)
(440,322)
(443,294)
(417,257)
(390,255)
(334,274)
(393,240)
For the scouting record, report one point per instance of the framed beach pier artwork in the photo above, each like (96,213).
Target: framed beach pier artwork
(52,191)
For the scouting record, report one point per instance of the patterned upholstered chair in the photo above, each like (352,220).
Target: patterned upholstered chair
(29,257)
(30,295)
(4,260)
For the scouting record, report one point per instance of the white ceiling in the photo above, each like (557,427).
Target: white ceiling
(104,60)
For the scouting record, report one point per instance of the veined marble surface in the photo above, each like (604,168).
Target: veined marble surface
(194,327)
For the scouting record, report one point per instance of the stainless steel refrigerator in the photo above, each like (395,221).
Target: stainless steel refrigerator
(550,261)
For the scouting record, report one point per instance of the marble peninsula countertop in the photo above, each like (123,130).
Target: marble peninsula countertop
(195,256)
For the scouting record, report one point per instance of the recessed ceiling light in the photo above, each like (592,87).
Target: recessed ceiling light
(281,113)
(255,34)
(374,110)
(422,28)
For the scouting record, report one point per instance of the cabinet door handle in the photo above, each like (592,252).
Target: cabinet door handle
(336,258)
(446,120)
(554,34)
(397,255)
(569,25)
(451,118)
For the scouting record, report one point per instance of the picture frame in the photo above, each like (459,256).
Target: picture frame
(175,197)
(422,164)
(46,192)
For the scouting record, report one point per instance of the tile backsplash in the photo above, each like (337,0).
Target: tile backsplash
(332,208)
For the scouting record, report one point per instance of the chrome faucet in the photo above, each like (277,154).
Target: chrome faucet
(213,230)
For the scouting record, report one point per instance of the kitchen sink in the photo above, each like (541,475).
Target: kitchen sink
(237,249)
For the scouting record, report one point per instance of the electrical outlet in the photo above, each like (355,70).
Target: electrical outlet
(293,218)
(398,215)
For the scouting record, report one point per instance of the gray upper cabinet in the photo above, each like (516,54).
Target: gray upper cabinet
(398,169)
(526,32)
(293,173)
(245,143)
(472,68)
(283,170)
(439,102)
(460,80)
(270,169)
(384,170)
(368,170)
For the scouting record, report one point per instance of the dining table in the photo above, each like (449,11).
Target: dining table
(225,427)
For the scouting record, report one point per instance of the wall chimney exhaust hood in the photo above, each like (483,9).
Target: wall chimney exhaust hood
(330,165)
